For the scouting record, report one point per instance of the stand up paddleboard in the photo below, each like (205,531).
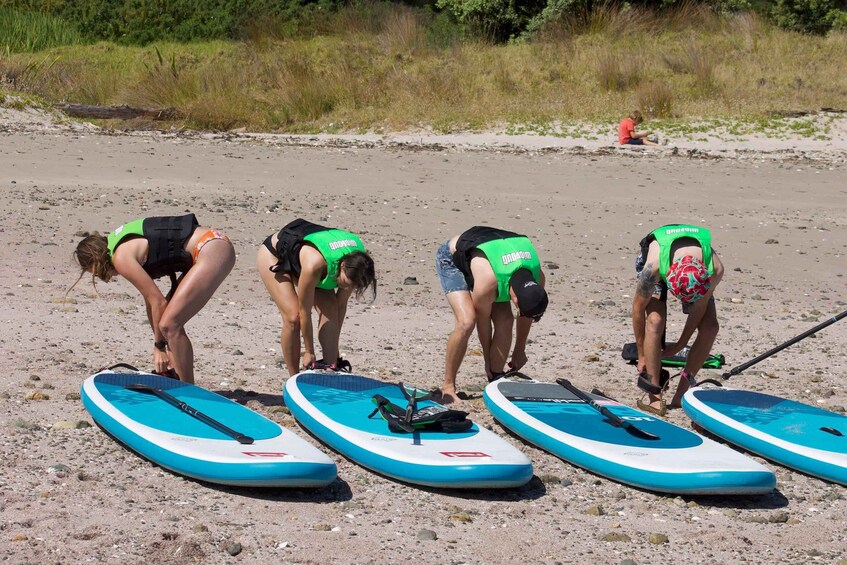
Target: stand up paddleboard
(622,444)
(337,408)
(197,433)
(793,434)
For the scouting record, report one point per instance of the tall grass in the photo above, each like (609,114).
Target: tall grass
(27,32)
(357,72)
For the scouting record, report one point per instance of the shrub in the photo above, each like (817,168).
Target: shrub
(497,20)
(808,16)
(655,99)
(617,73)
(696,61)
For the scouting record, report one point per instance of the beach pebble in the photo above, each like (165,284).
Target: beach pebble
(322,528)
(658,539)
(71,425)
(780,517)
(771,242)
(595,510)
(616,537)
(629,562)
(59,470)
(410,281)
(237,352)
(36,395)
(592,358)
(427,535)
(233,549)
(566,482)
(72,396)
(461,517)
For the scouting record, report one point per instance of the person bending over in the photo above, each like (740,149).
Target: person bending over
(307,266)
(482,271)
(150,248)
(678,258)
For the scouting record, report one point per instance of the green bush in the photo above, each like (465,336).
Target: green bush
(137,22)
(809,16)
(27,32)
(497,20)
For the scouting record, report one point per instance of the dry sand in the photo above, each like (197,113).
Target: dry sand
(74,495)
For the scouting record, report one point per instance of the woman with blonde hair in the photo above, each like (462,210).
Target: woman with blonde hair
(150,248)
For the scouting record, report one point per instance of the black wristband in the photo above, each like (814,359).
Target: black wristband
(161,345)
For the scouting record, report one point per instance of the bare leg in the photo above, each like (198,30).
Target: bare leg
(213,265)
(281,288)
(707,331)
(457,344)
(329,328)
(501,340)
(656,318)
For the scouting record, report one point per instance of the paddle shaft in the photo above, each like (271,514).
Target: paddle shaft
(779,348)
(617,420)
(238,436)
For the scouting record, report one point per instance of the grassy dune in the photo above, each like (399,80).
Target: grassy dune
(389,75)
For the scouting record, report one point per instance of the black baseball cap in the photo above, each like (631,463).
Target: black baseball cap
(532,298)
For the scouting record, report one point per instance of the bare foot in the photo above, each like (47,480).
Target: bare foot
(449,397)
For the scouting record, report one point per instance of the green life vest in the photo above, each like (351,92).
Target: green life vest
(507,256)
(166,239)
(334,244)
(666,235)
(135,228)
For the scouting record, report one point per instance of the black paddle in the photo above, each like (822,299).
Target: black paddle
(615,420)
(779,348)
(238,436)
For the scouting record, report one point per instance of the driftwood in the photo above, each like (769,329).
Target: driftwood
(116,112)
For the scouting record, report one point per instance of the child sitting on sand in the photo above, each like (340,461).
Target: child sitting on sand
(627,134)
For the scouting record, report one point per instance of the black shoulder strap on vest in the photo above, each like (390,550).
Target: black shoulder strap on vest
(289,240)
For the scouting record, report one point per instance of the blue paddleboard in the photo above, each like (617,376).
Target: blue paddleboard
(678,461)
(169,436)
(791,433)
(335,407)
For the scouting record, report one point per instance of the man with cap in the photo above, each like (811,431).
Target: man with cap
(678,258)
(482,271)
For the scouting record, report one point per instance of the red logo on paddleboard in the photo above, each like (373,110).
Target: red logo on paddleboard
(464,454)
(264,453)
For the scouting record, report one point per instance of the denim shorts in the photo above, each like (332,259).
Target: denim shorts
(634,141)
(452,279)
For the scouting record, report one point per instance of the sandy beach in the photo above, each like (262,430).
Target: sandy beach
(72,495)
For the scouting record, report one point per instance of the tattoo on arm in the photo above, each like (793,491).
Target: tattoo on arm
(646,281)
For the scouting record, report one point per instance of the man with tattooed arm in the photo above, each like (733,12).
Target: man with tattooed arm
(678,258)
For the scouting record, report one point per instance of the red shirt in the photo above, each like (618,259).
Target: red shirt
(625,129)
